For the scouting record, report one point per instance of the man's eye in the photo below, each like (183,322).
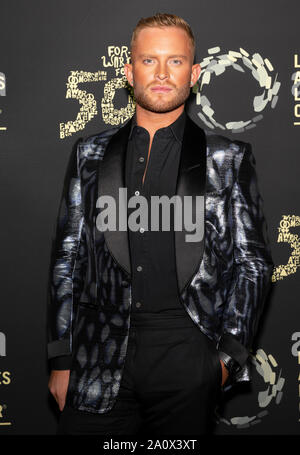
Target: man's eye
(174,60)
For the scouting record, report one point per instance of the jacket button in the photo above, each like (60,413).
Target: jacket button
(124,283)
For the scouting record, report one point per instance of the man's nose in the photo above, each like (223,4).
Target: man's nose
(162,76)
(162,72)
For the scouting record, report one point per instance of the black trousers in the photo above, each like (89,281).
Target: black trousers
(170,385)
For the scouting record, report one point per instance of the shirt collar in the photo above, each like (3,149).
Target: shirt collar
(176,128)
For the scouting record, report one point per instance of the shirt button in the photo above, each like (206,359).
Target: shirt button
(138,304)
(141,159)
(137,193)
(139,268)
(142,230)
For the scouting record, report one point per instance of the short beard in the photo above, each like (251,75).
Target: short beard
(143,100)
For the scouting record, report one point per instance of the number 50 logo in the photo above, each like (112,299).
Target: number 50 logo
(213,65)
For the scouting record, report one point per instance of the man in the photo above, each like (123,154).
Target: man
(145,326)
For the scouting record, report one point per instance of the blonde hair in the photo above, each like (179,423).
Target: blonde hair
(163,20)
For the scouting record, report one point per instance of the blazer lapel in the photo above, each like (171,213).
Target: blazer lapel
(190,182)
(111,177)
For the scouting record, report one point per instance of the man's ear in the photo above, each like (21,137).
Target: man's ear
(196,70)
(128,73)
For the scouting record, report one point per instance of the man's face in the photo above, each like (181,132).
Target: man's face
(162,57)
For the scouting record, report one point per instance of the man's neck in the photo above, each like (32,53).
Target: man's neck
(153,121)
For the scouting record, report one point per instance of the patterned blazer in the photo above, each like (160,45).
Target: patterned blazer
(223,279)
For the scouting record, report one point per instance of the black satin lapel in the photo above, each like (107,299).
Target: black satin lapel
(111,177)
(191,181)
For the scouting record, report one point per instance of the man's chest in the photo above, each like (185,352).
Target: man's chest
(152,169)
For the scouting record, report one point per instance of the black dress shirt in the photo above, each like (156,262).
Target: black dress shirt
(152,253)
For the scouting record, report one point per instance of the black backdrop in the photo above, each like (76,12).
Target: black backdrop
(42,45)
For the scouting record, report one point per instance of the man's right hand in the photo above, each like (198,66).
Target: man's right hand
(58,386)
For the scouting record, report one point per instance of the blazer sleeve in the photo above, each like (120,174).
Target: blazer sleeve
(253,265)
(66,265)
